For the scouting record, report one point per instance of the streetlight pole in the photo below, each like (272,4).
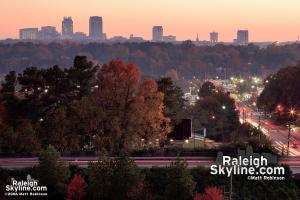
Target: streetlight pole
(223,108)
(291,112)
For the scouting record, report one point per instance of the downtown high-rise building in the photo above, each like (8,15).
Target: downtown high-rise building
(67,26)
(28,33)
(96,27)
(214,37)
(157,34)
(48,33)
(242,37)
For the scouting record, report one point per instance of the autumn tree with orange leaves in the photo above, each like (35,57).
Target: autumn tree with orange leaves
(132,109)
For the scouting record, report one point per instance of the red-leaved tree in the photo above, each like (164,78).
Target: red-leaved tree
(76,188)
(211,193)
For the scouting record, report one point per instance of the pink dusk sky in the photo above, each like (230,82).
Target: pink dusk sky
(266,20)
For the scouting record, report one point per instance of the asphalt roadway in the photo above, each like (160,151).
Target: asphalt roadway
(143,162)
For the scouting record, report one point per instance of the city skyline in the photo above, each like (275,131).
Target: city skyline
(49,33)
(266,21)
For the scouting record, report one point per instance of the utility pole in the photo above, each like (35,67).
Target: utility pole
(230,189)
(194,141)
(259,121)
(289,136)
(259,127)
(204,134)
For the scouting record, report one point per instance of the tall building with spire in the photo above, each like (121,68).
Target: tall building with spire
(197,38)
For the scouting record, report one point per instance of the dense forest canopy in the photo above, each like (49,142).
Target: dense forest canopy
(154,59)
(281,95)
(116,110)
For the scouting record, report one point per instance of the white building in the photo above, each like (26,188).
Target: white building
(29,33)
(190,98)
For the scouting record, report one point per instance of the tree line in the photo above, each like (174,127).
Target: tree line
(155,59)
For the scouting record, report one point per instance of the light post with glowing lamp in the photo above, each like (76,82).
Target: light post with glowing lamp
(224,109)
(292,112)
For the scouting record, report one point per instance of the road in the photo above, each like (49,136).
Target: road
(145,162)
(277,134)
